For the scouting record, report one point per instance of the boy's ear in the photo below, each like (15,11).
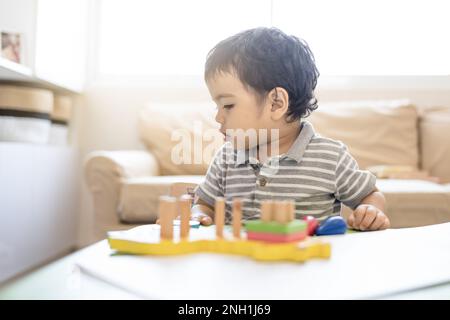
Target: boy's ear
(279,99)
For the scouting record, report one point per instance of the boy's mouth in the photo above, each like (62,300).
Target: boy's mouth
(225,136)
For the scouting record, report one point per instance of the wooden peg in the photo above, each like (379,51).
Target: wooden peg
(219,216)
(280,211)
(167,211)
(266,210)
(237,216)
(185,215)
(291,210)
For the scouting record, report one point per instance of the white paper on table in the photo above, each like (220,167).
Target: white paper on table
(362,265)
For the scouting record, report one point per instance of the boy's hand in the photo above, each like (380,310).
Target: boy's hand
(368,217)
(204,219)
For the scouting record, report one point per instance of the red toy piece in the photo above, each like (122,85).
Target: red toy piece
(313,223)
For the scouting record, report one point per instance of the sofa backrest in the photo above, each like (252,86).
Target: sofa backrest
(435,142)
(164,127)
(376,132)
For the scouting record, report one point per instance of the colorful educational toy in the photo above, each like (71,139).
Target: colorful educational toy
(276,237)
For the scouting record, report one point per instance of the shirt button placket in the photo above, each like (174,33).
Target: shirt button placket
(262,182)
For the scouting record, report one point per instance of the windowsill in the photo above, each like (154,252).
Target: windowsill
(195,82)
(15,73)
(385,82)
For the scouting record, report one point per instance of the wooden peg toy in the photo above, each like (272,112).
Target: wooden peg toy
(237,216)
(280,211)
(266,210)
(219,216)
(265,240)
(290,210)
(185,202)
(167,211)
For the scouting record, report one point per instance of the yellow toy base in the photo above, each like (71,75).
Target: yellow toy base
(297,251)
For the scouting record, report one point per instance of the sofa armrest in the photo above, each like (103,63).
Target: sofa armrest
(105,172)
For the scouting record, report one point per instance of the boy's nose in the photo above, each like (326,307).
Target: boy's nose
(219,117)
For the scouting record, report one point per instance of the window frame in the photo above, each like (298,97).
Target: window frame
(196,82)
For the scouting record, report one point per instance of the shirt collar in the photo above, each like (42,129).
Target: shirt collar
(295,152)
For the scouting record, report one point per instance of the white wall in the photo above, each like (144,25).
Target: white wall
(20,16)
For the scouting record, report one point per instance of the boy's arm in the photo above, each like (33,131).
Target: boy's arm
(212,187)
(369,214)
(367,202)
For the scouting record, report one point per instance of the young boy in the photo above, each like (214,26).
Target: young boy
(264,79)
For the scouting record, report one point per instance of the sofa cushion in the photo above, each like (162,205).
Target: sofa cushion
(164,127)
(376,132)
(434,144)
(414,203)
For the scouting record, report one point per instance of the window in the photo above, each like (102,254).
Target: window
(170,37)
(382,37)
(139,38)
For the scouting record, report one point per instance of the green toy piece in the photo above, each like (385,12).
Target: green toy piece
(275,227)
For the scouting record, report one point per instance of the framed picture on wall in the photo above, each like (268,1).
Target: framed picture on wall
(11,46)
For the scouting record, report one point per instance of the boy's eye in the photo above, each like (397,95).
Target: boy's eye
(228,106)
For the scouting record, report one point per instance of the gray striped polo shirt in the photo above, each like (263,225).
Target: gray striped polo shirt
(317,172)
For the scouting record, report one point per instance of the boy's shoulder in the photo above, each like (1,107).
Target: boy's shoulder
(327,148)
(313,140)
(325,143)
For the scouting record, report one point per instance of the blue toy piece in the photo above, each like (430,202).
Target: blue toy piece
(332,225)
(194,224)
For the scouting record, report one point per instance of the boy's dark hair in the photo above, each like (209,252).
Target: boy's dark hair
(265,58)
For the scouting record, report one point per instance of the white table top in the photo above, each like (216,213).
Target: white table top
(362,265)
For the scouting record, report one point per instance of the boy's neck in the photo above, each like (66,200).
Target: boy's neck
(285,140)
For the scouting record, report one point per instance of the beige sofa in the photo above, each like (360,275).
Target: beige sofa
(125,185)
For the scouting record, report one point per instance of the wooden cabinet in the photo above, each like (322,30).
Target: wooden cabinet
(38,205)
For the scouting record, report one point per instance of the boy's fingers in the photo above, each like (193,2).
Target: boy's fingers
(206,220)
(386,224)
(351,220)
(369,217)
(197,217)
(359,215)
(378,221)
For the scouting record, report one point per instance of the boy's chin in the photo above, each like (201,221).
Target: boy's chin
(240,146)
